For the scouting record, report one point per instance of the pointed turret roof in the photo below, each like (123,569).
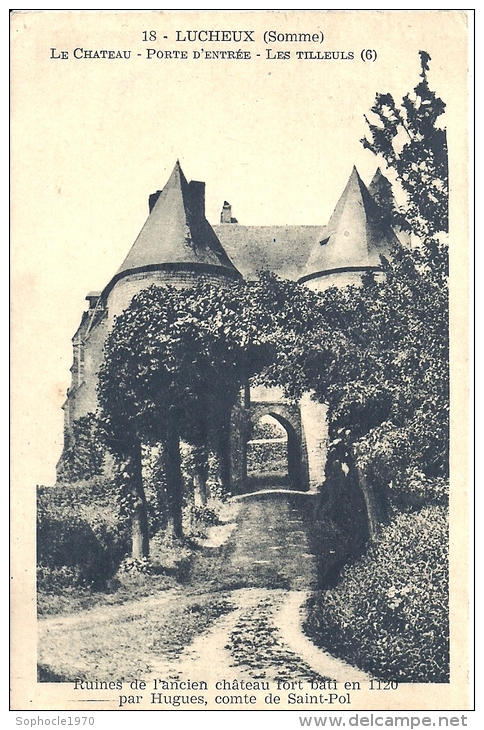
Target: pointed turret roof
(176,232)
(356,234)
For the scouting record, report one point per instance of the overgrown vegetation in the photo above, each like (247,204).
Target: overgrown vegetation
(84,457)
(388,392)
(81,536)
(388,615)
(83,546)
(173,368)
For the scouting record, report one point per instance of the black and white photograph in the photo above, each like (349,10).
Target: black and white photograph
(240,360)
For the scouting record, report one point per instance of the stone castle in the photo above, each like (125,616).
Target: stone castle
(177,246)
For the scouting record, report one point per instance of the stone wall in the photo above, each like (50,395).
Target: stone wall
(315,430)
(126,288)
(338,279)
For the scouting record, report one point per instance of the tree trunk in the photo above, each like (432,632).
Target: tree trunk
(140,540)
(374,508)
(199,489)
(139,533)
(222,450)
(200,474)
(174,483)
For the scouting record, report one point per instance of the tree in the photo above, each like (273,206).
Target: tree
(412,144)
(291,325)
(393,366)
(174,365)
(378,356)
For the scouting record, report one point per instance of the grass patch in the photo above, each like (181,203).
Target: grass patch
(115,592)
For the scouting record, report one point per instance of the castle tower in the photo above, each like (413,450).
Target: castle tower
(355,237)
(176,246)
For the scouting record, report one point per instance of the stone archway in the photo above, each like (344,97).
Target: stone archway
(289,417)
(267,454)
(307,435)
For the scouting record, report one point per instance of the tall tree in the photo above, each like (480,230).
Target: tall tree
(174,365)
(377,355)
(415,147)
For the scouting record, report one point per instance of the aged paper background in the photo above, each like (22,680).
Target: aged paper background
(91,138)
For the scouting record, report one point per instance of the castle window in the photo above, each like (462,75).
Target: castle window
(78,363)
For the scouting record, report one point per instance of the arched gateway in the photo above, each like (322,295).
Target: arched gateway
(304,423)
(289,417)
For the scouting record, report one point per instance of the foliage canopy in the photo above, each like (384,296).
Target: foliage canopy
(177,359)
(412,144)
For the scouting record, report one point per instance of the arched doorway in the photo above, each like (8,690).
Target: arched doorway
(267,454)
(274,458)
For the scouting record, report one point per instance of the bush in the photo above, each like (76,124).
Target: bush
(56,580)
(389,613)
(133,566)
(266,457)
(208,516)
(387,455)
(197,519)
(417,490)
(81,538)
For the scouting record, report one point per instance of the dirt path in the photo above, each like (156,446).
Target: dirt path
(258,566)
(289,622)
(209,657)
(270,547)
(281,650)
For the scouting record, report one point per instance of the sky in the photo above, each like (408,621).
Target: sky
(92,138)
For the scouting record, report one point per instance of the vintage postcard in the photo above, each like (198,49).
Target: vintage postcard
(240,253)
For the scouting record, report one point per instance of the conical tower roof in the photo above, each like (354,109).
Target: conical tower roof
(356,234)
(176,232)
